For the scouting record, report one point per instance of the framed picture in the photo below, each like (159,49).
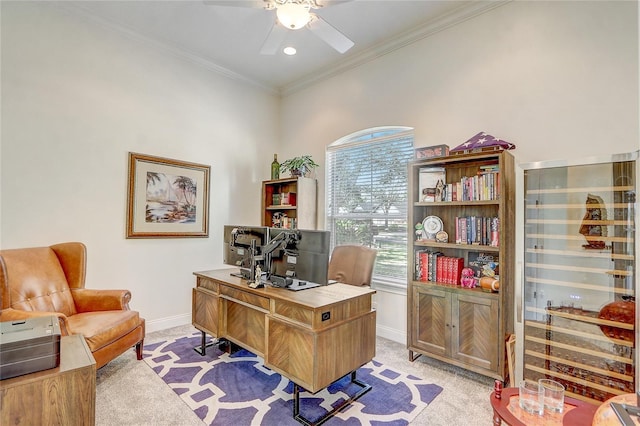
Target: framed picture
(167,198)
(430,183)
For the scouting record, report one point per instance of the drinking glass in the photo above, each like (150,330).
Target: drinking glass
(553,395)
(531,397)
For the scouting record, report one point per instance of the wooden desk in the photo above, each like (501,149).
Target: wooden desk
(507,409)
(313,337)
(64,395)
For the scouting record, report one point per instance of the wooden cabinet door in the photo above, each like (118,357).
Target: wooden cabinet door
(204,315)
(474,331)
(431,320)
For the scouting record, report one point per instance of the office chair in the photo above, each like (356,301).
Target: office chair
(351,264)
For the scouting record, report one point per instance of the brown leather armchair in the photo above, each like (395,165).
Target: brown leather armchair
(41,281)
(351,264)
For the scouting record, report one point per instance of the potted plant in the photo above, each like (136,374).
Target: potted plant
(298,166)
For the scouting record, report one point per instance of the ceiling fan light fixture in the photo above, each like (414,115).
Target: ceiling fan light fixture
(293,15)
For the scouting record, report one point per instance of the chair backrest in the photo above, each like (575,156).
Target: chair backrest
(38,278)
(351,264)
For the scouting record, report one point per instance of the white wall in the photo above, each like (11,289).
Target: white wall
(76,98)
(558,79)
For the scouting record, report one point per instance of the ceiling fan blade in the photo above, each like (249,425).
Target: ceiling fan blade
(273,41)
(329,34)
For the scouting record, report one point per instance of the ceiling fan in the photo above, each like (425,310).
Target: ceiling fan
(294,15)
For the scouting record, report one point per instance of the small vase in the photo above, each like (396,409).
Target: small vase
(489,284)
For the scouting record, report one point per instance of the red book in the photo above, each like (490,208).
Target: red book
(424,266)
(439,269)
(449,268)
(458,265)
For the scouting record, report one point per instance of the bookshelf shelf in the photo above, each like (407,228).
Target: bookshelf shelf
(472,247)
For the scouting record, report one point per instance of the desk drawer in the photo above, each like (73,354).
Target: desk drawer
(293,312)
(246,297)
(208,284)
(324,317)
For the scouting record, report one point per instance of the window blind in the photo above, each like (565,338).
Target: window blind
(367,197)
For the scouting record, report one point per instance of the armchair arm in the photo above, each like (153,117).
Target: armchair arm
(88,300)
(11,314)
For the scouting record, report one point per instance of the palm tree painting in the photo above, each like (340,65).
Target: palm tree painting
(170,199)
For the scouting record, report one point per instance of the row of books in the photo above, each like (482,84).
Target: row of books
(478,230)
(484,186)
(436,267)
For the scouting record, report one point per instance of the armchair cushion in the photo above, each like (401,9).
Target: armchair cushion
(92,326)
(42,282)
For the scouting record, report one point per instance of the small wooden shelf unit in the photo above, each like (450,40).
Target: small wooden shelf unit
(300,209)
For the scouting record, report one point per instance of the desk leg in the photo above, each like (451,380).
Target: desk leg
(296,402)
(202,349)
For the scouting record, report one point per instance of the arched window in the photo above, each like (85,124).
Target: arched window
(367,196)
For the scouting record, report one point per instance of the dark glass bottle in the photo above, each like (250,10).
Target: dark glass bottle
(275,168)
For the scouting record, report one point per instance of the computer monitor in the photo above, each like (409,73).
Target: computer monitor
(303,254)
(237,245)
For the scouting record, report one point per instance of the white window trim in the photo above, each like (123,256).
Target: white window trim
(387,284)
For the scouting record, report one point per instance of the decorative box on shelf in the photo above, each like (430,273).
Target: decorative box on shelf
(434,151)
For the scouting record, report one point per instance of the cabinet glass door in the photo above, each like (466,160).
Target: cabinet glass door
(580,275)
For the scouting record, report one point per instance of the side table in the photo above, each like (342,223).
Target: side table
(65,395)
(605,416)
(507,409)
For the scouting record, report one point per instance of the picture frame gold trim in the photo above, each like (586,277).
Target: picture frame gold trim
(167,198)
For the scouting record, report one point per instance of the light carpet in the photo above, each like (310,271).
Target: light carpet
(225,389)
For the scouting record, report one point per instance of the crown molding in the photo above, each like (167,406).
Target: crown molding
(165,47)
(443,22)
(455,17)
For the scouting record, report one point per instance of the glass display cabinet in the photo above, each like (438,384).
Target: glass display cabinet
(580,280)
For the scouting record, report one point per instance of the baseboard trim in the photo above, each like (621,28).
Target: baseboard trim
(168,322)
(391,334)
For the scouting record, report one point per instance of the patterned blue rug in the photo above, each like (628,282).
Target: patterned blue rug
(238,389)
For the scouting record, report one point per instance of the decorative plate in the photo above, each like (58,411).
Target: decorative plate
(432,225)
(442,237)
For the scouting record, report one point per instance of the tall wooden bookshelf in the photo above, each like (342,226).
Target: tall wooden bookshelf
(466,327)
